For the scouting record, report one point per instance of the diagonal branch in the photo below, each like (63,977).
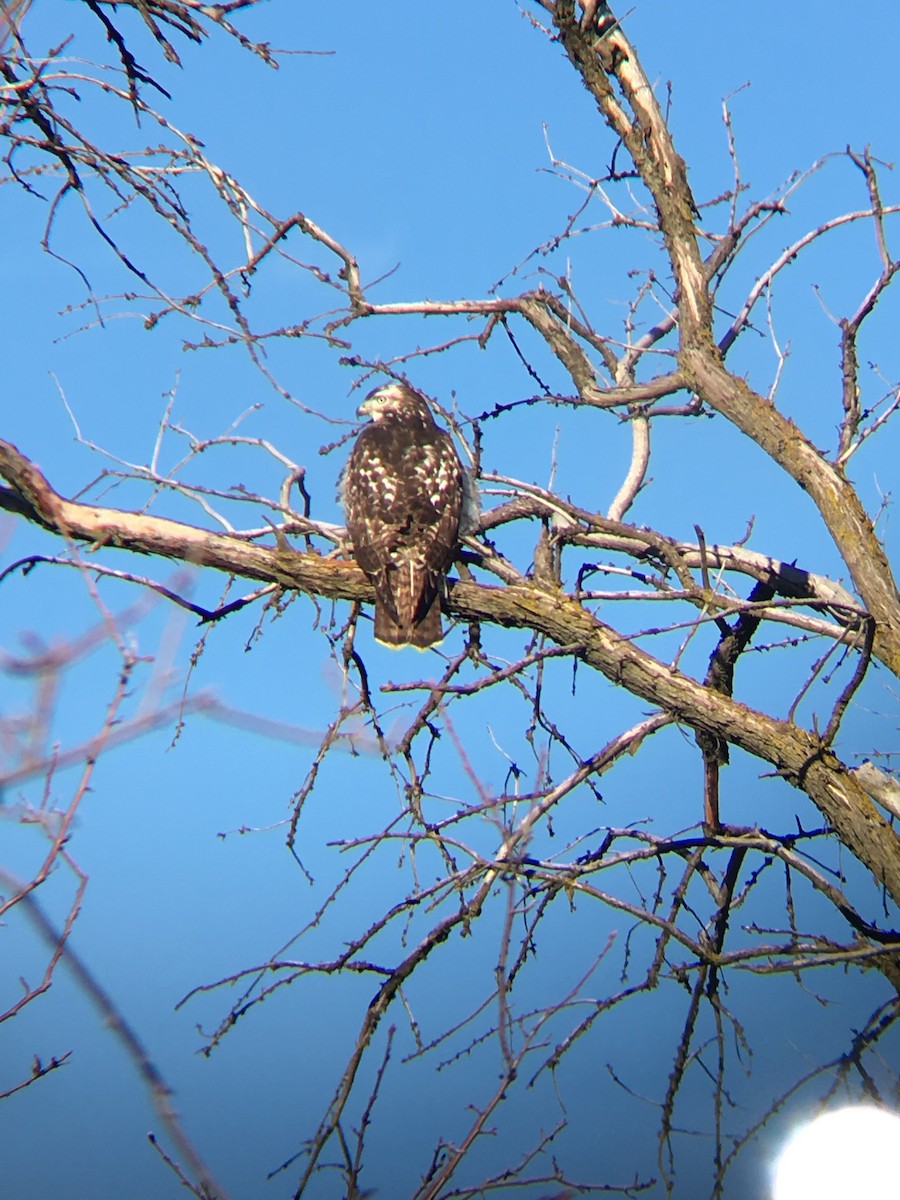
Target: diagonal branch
(803,759)
(610,69)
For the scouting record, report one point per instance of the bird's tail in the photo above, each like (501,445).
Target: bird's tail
(422,630)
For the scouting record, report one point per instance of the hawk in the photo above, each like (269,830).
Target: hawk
(404,491)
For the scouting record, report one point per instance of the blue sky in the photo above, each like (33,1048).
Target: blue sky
(416,134)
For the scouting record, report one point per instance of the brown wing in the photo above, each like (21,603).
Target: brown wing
(402,495)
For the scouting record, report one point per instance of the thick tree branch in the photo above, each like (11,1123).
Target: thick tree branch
(601,61)
(799,756)
(834,497)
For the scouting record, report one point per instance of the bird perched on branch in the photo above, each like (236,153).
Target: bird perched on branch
(404,492)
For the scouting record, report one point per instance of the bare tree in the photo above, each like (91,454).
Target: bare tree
(557,603)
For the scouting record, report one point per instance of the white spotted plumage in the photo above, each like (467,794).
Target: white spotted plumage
(403,491)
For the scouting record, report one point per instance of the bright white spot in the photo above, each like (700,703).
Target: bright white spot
(847,1153)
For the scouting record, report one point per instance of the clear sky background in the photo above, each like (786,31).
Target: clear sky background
(417,134)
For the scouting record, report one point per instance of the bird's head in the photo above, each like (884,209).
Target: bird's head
(389,398)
